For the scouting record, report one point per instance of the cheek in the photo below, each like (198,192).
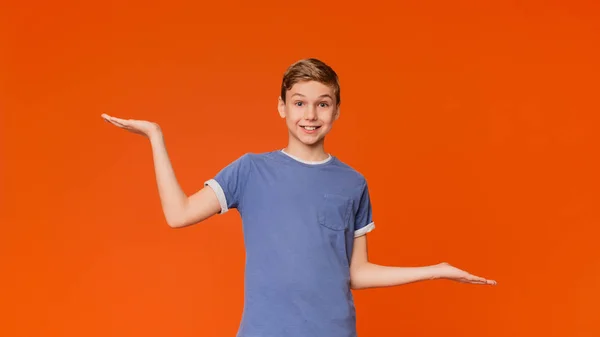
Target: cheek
(328,116)
(295,113)
(292,119)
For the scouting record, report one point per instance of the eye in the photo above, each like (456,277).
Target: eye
(323,104)
(298,103)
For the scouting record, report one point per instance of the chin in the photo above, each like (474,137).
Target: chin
(311,141)
(308,141)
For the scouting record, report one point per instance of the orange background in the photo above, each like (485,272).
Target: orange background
(475,125)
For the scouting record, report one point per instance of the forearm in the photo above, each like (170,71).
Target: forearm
(172,197)
(369,275)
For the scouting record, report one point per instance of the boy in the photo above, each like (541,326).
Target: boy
(305,217)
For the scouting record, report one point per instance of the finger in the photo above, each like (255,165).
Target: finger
(105,117)
(120,120)
(476,279)
(480,280)
(111,118)
(117,124)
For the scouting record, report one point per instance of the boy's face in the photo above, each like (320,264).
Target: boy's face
(310,111)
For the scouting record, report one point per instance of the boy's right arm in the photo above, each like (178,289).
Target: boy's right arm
(179,209)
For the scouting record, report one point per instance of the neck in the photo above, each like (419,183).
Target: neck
(305,152)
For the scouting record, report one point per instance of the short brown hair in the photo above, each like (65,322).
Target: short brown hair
(310,69)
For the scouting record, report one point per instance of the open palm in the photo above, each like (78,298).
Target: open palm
(452,273)
(140,127)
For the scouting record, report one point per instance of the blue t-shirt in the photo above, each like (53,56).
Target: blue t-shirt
(299,222)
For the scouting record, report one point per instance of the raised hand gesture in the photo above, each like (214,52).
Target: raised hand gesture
(140,127)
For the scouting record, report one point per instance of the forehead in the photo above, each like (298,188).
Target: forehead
(311,89)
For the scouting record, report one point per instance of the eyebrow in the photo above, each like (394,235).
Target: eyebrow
(324,95)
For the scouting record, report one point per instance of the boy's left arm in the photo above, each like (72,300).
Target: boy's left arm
(364,274)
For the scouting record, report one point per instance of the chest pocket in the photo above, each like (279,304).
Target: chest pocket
(335,212)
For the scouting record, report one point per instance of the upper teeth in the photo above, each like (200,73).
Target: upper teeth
(309,127)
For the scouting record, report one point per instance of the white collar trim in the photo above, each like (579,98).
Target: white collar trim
(306,161)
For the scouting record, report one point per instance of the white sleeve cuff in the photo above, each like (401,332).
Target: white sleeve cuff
(364,230)
(220,194)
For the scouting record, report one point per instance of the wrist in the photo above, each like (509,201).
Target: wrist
(155,134)
(438,271)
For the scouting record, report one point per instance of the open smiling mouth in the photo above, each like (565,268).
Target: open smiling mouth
(309,128)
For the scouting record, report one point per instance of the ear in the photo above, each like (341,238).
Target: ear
(281,107)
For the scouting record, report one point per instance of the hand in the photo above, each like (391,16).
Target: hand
(452,273)
(140,127)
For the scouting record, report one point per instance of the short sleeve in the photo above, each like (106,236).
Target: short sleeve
(229,184)
(364,214)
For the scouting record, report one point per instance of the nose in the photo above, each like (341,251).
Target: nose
(310,114)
